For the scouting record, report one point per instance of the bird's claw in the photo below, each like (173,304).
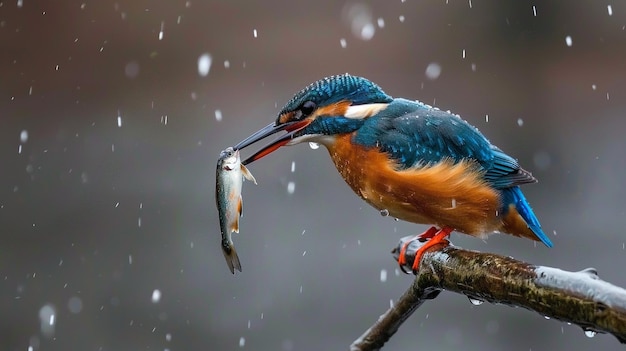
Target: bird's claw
(410,249)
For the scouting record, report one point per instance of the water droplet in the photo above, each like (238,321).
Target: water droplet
(119,119)
(380,22)
(75,304)
(313,145)
(520,122)
(367,32)
(590,333)
(359,17)
(453,203)
(226,64)
(168,337)
(47,318)
(463,54)
(383,275)
(384,212)
(343,43)
(291,187)
(546,317)
(131,70)
(254,32)
(156,296)
(609,8)
(568,40)
(293,166)
(204,64)
(433,70)
(401,18)
(242,341)
(218,115)
(24,136)
(475,302)
(161,31)
(20,3)
(542,160)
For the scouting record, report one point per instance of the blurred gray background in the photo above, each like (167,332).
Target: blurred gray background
(110,132)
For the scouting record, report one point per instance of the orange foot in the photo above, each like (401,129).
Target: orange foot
(425,235)
(435,237)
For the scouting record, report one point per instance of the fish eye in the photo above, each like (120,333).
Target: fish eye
(307,108)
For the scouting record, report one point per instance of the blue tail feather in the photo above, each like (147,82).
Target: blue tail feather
(513,195)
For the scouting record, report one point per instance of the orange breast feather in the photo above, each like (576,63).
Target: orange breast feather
(442,194)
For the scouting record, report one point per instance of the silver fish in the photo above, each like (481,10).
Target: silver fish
(229,180)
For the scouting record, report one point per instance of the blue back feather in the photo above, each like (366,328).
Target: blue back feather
(416,134)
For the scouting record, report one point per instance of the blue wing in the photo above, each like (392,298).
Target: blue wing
(414,134)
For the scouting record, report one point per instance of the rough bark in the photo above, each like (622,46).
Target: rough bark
(580,298)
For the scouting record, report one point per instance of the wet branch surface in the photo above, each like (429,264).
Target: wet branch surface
(580,298)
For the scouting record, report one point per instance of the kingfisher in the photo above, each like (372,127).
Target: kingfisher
(409,160)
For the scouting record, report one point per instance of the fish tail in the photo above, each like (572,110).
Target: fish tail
(518,217)
(230,254)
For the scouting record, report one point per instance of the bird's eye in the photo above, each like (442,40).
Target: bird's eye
(307,108)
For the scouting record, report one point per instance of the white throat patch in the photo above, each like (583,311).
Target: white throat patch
(364,111)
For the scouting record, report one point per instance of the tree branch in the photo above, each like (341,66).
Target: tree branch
(576,297)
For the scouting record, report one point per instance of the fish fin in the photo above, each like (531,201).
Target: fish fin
(235,227)
(230,254)
(246,173)
(240,208)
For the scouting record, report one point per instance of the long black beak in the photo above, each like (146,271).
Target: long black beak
(272,128)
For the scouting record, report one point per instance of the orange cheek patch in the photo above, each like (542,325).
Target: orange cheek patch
(336,109)
(285,117)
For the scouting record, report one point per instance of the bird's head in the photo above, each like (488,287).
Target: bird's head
(331,106)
